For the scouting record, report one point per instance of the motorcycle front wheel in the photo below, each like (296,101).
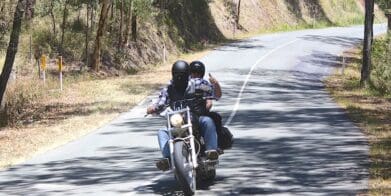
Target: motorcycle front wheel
(184,171)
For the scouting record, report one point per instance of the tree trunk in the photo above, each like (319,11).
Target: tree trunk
(238,14)
(101,26)
(79,14)
(92,19)
(128,23)
(87,32)
(112,14)
(121,24)
(63,26)
(12,47)
(112,11)
(368,33)
(53,18)
(134,26)
(389,23)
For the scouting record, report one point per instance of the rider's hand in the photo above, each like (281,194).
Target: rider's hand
(151,109)
(212,80)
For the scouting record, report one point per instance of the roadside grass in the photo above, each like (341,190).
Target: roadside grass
(52,117)
(372,112)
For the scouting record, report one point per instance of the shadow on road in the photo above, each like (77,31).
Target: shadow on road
(242,46)
(333,40)
(116,166)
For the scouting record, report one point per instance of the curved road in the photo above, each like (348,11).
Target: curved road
(291,138)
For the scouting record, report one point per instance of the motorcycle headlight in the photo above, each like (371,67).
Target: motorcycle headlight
(176,120)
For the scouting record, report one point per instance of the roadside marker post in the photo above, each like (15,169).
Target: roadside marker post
(43,67)
(60,70)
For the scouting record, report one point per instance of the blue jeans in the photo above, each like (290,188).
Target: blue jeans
(208,132)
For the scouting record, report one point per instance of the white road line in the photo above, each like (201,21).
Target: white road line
(236,107)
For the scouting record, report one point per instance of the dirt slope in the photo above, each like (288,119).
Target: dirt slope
(259,15)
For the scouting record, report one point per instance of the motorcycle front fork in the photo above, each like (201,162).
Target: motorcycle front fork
(193,152)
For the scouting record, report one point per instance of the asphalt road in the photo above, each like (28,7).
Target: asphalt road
(291,137)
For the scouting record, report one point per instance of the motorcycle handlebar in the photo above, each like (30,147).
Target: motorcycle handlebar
(168,106)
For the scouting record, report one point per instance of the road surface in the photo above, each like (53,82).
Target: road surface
(291,138)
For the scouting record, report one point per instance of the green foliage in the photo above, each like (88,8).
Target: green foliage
(73,46)
(6,13)
(77,26)
(42,8)
(384,4)
(381,71)
(44,41)
(142,8)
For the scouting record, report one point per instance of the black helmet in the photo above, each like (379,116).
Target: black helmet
(197,67)
(180,74)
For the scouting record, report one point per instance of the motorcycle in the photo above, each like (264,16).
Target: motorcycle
(188,160)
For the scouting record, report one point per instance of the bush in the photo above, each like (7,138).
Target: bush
(381,70)
(45,42)
(19,104)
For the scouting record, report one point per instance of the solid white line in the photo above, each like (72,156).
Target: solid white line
(236,107)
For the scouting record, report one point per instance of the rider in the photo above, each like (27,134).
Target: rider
(197,72)
(181,87)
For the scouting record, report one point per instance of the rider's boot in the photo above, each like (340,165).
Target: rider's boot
(212,155)
(163,164)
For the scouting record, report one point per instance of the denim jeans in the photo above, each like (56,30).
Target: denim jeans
(208,132)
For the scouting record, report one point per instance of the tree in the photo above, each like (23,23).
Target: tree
(121,24)
(64,22)
(128,21)
(52,17)
(389,20)
(238,13)
(134,25)
(368,33)
(101,28)
(87,31)
(12,49)
(141,10)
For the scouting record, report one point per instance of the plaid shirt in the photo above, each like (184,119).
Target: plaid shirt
(197,83)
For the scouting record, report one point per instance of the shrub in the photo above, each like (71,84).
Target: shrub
(19,104)
(45,41)
(381,70)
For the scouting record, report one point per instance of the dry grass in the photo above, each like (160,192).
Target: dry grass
(373,114)
(84,105)
(2,59)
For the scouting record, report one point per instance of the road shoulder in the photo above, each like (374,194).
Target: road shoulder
(370,112)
